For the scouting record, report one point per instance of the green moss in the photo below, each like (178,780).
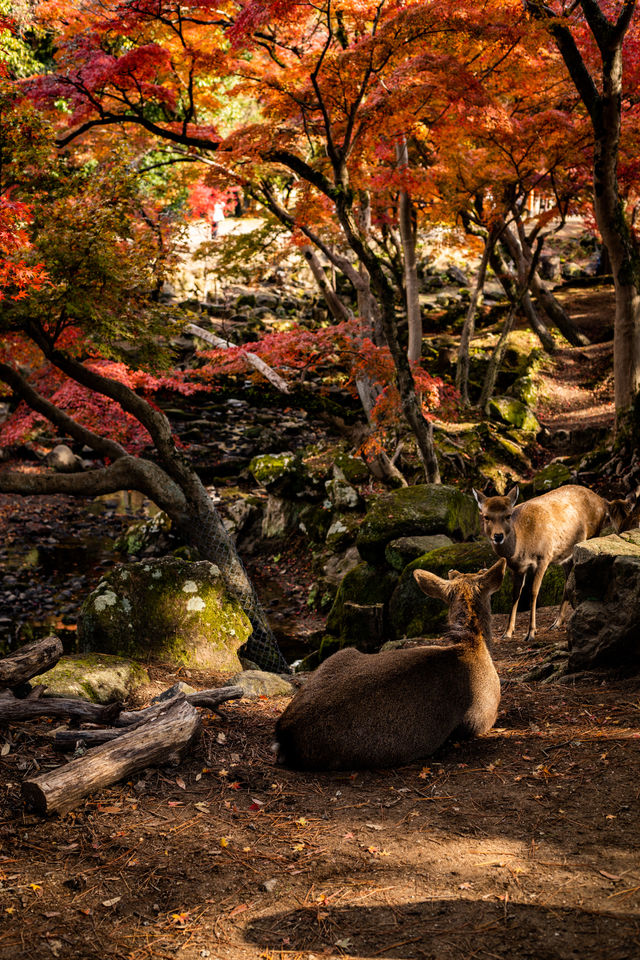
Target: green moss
(551,477)
(364,584)
(94,677)
(412,511)
(514,412)
(413,614)
(170,609)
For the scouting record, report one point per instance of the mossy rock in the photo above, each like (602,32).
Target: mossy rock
(169,609)
(279,473)
(413,614)
(343,531)
(400,552)
(412,511)
(351,469)
(364,584)
(93,676)
(513,412)
(527,389)
(551,477)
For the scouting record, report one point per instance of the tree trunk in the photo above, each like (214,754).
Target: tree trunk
(462,367)
(159,741)
(407,234)
(30,660)
(335,305)
(522,255)
(509,285)
(12,709)
(495,360)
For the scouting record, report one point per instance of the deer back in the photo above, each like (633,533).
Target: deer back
(384,709)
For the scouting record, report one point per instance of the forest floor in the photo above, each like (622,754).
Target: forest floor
(520,844)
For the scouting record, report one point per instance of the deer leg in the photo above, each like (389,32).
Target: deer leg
(565,606)
(518,584)
(535,590)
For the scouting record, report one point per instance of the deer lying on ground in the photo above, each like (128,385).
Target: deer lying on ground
(385,709)
(625,514)
(538,532)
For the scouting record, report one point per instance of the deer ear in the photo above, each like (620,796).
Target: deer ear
(453,574)
(513,495)
(493,577)
(432,585)
(480,497)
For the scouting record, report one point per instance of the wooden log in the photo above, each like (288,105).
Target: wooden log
(29,660)
(165,737)
(211,699)
(130,719)
(12,709)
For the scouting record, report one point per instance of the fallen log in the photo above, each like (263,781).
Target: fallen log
(211,699)
(130,719)
(12,709)
(163,739)
(29,660)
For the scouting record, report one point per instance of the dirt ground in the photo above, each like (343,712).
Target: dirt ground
(519,844)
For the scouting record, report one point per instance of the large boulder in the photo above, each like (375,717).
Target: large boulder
(605,591)
(169,609)
(96,677)
(411,511)
(402,551)
(413,614)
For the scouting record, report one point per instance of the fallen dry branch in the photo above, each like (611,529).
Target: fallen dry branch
(131,719)
(211,699)
(162,739)
(12,709)
(252,358)
(30,660)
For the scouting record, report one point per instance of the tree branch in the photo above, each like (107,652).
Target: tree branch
(125,474)
(103,446)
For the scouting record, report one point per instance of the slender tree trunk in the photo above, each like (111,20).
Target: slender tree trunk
(495,361)
(462,367)
(522,255)
(336,307)
(407,234)
(509,285)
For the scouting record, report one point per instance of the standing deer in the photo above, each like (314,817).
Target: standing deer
(385,709)
(538,532)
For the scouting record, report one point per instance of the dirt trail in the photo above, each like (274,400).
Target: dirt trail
(520,844)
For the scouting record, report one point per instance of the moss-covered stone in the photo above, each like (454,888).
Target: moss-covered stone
(412,511)
(514,412)
(527,389)
(413,614)
(167,609)
(343,531)
(93,676)
(400,552)
(276,472)
(364,584)
(261,683)
(550,478)
(351,469)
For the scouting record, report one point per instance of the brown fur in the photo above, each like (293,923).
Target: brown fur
(625,514)
(385,709)
(538,532)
